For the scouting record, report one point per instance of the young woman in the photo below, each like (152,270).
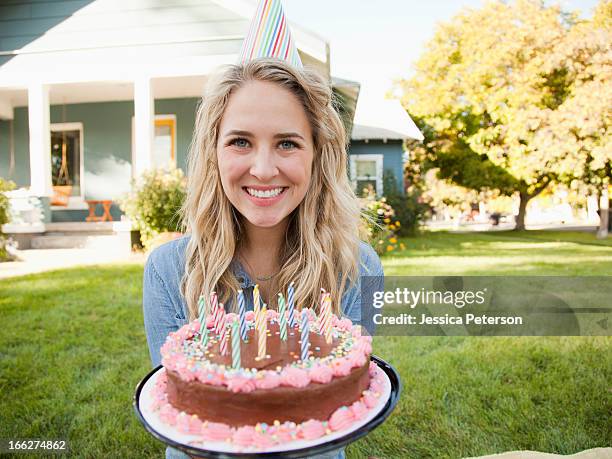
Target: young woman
(269,202)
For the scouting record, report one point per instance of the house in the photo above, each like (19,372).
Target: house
(379,130)
(94,92)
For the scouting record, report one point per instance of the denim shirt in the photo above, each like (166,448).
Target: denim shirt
(165,309)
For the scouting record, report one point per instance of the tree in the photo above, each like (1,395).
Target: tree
(491,92)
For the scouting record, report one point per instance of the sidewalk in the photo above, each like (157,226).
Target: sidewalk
(36,261)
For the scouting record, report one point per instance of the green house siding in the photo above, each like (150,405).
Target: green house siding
(393,155)
(107,142)
(21,172)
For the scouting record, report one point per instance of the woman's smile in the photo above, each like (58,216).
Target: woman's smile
(265,195)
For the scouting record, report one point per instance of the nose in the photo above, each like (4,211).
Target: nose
(263,165)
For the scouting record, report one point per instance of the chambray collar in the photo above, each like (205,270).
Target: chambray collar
(241,275)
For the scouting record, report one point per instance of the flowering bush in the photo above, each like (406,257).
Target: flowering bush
(153,204)
(380,225)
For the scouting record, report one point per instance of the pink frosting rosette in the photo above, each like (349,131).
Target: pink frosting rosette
(369,400)
(230,317)
(240,384)
(295,377)
(188,424)
(243,436)
(341,366)
(341,419)
(209,377)
(262,440)
(357,358)
(216,431)
(373,369)
(283,433)
(166,347)
(311,429)
(344,324)
(359,409)
(249,316)
(270,380)
(168,414)
(186,374)
(321,374)
(271,314)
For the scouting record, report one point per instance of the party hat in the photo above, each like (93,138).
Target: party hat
(269,35)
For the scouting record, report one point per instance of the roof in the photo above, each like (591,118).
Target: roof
(96,40)
(384,119)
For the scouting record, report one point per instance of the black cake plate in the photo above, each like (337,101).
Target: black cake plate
(170,437)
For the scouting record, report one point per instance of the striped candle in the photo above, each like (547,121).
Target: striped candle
(223,339)
(235,345)
(283,317)
(305,342)
(202,320)
(242,315)
(256,302)
(219,318)
(326,325)
(262,333)
(321,307)
(217,313)
(291,301)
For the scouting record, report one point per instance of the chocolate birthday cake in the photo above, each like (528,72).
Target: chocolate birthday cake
(313,377)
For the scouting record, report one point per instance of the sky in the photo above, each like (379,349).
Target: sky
(375,41)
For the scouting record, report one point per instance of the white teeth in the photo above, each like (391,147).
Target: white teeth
(264,194)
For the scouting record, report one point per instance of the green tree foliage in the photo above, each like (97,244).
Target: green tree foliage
(515,96)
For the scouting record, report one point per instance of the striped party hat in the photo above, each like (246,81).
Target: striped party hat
(269,35)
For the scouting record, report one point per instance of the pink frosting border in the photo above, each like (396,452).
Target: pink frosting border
(261,435)
(299,374)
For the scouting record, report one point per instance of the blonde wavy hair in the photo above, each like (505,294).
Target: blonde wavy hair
(321,248)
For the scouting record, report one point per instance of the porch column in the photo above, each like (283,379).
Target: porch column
(6,110)
(144,125)
(40,140)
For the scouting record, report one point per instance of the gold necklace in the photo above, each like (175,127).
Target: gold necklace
(262,278)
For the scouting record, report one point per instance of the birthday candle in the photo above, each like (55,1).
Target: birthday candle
(326,327)
(321,306)
(223,338)
(217,312)
(291,301)
(242,314)
(256,302)
(283,317)
(262,334)
(305,335)
(202,320)
(235,345)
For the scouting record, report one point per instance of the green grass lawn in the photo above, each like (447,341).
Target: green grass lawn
(75,349)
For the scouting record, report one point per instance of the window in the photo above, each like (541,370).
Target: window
(164,142)
(367,170)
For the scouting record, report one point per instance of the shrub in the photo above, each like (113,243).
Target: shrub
(5,185)
(409,210)
(379,222)
(153,204)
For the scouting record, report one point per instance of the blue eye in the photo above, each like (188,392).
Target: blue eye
(240,143)
(287,145)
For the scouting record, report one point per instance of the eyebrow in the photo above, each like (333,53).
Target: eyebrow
(282,135)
